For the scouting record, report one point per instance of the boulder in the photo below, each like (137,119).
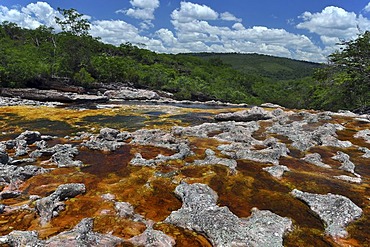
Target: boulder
(336,211)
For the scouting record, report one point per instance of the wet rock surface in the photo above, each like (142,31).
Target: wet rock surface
(335,210)
(251,158)
(200,212)
(50,206)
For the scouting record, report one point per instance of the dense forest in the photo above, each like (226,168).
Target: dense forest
(29,58)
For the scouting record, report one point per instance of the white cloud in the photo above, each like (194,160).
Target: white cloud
(333,24)
(192,11)
(367,8)
(31,16)
(141,9)
(226,16)
(238,26)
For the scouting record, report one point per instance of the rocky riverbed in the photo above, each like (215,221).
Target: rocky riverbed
(152,171)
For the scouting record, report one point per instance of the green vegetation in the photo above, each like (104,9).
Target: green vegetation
(30,58)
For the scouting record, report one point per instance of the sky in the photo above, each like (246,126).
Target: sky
(302,29)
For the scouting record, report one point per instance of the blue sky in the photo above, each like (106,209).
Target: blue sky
(302,29)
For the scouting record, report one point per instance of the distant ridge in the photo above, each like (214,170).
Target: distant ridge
(277,68)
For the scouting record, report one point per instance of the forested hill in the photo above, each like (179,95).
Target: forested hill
(276,68)
(30,58)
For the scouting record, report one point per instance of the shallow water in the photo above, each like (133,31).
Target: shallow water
(150,190)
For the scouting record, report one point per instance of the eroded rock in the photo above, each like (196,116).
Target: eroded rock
(199,212)
(316,160)
(254,114)
(336,211)
(212,159)
(364,134)
(347,165)
(50,206)
(153,238)
(276,171)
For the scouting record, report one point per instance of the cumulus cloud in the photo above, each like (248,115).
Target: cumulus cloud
(226,16)
(192,11)
(333,24)
(142,10)
(198,28)
(31,16)
(367,8)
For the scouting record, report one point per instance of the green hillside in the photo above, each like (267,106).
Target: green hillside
(271,67)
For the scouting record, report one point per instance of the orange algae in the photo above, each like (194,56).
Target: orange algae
(152,194)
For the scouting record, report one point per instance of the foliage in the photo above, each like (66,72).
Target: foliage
(345,82)
(33,57)
(73,22)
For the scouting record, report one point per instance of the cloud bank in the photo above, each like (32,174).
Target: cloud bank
(199,28)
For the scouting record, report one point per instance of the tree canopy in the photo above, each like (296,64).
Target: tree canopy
(346,79)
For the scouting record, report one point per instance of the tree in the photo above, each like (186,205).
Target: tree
(73,22)
(348,74)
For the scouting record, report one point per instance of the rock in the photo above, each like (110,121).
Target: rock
(107,140)
(212,159)
(22,161)
(155,137)
(336,211)
(4,157)
(2,208)
(9,194)
(346,178)
(276,171)
(61,154)
(305,136)
(50,206)
(22,238)
(108,134)
(364,134)
(12,175)
(366,151)
(183,152)
(152,238)
(316,160)
(30,137)
(254,114)
(271,154)
(16,101)
(199,212)
(239,134)
(347,165)
(270,105)
(83,236)
(127,93)
(50,95)
(21,148)
(124,209)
